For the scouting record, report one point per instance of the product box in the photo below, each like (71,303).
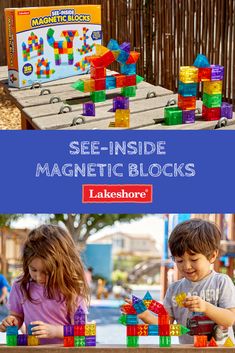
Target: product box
(50,43)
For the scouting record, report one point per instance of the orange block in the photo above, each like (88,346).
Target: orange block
(186,103)
(133,58)
(200,341)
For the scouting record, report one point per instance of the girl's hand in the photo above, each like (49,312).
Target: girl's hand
(44,330)
(195,303)
(8,321)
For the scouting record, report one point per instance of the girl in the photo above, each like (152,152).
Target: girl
(52,285)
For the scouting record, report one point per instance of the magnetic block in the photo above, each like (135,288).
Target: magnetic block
(217,72)
(201,61)
(68,330)
(128,69)
(125,46)
(97,72)
(147,296)
(108,58)
(180,298)
(212,343)
(128,309)
(79,341)
(139,79)
(90,329)
(22,340)
(163,320)
(123,320)
(133,57)
(110,82)
(226,110)
(186,103)
(120,80)
(175,330)
(131,330)
(173,116)
(147,303)
(187,89)
(188,74)
(79,85)
(12,330)
(90,341)
(153,330)
(140,307)
(101,50)
(120,102)
(89,109)
(188,116)
(113,45)
(29,329)
(228,343)
(128,91)
(200,341)
(33,341)
(212,100)
(210,114)
(100,84)
(89,85)
(122,119)
(11,340)
(130,80)
(212,87)
(164,341)
(183,330)
(164,330)
(98,96)
(122,57)
(131,319)
(132,341)
(157,307)
(142,330)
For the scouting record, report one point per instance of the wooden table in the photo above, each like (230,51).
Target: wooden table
(56,105)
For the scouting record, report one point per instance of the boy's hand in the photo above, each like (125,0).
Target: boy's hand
(44,330)
(8,321)
(195,303)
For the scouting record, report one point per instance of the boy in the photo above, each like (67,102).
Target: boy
(194,245)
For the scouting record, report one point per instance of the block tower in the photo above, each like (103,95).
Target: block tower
(62,47)
(81,333)
(211,77)
(33,44)
(134,330)
(15,339)
(43,68)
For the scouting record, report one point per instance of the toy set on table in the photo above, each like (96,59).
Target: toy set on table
(15,339)
(213,108)
(49,43)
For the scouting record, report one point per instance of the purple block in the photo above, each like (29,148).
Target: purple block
(126,46)
(120,103)
(226,110)
(89,109)
(188,116)
(135,300)
(68,330)
(79,319)
(217,72)
(90,340)
(70,61)
(22,340)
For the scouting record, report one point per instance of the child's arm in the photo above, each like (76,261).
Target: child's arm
(44,330)
(13,319)
(221,316)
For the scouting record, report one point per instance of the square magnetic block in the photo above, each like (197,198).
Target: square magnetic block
(155,306)
(122,57)
(217,72)
(98,72)
(98,96)
(128,309)
(89,109)
(212,100)
(110,82)
(122,119)
(164,330)
(129,91)
(128,69)
(79,330)
(90,340)
(164,341)
(120,80)
(120,102)
(131,330)
(187,89)
(210,114)
(68,330)
(212,87)
(100,84)
(153,330)
(130,80)
(142,330)
(180,297)
(175,330)
(188,116)
(12,330)
(29,329)
(226,110)
(131,320)
(186,103)
(132,341)
(11,340)
(79,341)
(200,341)
(188,74)
(173,116)
(33,341)
(163,320)
(204,74)
(90,329)
(69,341)
(89,85)
(22,340)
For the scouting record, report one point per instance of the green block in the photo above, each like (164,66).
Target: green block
(98,96)
(79,85)
(139,79)
(173,116)
(165,341)
(11,340)
(122,319)
(132,341)
(79,341)
(212,100)
(50,32)
(128,91)
(183,330)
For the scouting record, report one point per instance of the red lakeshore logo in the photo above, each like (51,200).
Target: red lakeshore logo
(112,193)
(23,13)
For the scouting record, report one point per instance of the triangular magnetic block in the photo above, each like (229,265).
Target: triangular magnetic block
(147,296)
(113,45)
(201,61)
(183,330)
(139,79)
(126,46)
(133,58)
(212,343)
(228,343)
(135,299)
(79,85)
(122,319)
(101,50)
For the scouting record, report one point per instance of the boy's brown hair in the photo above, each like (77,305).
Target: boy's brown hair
(195,236)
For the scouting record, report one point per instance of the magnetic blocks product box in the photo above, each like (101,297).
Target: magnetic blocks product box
(50,43)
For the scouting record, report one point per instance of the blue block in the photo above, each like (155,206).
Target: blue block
(131,320)
(12,330)
(60,45)
(122,57)
(110,82)
(153,330)
(201,61)
(30,333)
(147,296)
(187,89)
(128,69)
(139,307)
(113,45)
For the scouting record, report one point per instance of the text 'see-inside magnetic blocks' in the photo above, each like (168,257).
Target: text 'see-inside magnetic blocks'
(50,43)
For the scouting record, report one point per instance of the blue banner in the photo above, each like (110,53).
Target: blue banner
(117,171)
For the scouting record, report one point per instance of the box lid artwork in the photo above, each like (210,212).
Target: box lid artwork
(50,43)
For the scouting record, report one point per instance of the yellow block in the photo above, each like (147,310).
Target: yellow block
(228,343)
(188,74)
(212,87)
(90,329)
(122,118)
(180,298)
(89,85)
(174,330)
(101,50)
(33,341)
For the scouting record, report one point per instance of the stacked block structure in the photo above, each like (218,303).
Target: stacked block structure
(33,44)
(134,330)
(81,333)
(211,77)
(99,82)
(15,339)
(43,69)
(62,47)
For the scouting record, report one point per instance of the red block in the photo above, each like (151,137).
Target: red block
(79,330)
(186,103)
(204,74)
(56,45)
(100,84)
(108,58)
(128,309)
(142,330)
(120,80)
(210,114)
(212,343)
(69,44)
(133,58)
(131,330)
(164,330)
(130,80)
(157,308)
(98,72)
(69,341)
(163,320)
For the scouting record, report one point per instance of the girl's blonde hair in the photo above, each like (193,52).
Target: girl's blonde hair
(66,275)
